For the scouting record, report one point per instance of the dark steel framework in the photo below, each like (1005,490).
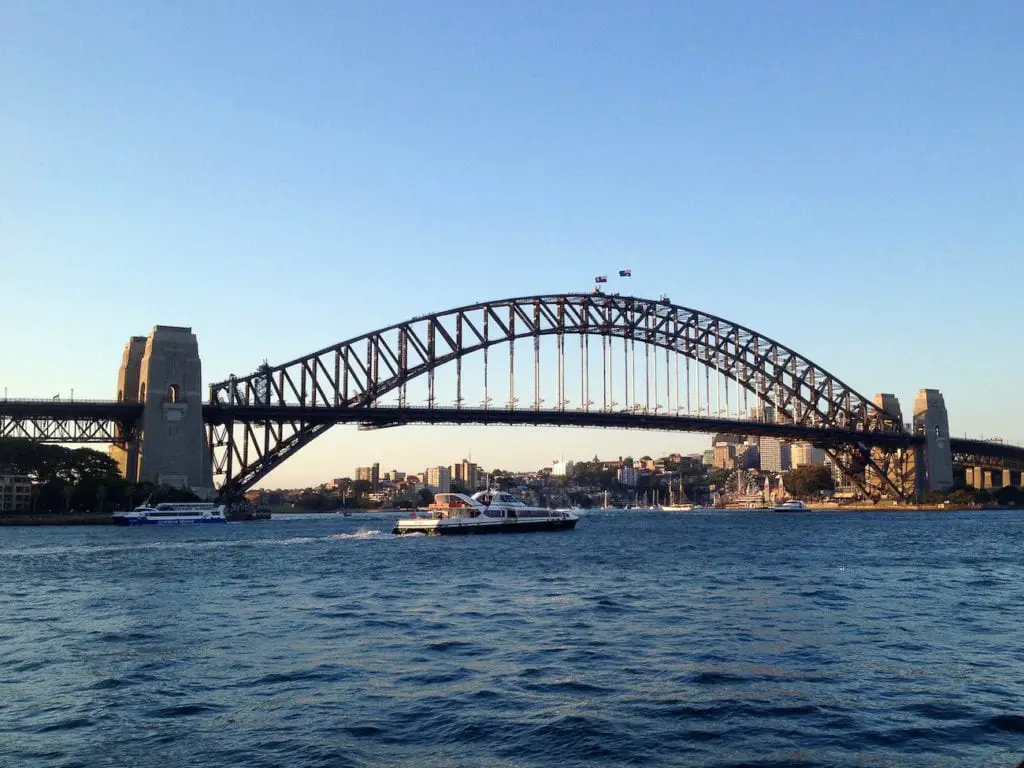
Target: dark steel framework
(70,421)
(987,454)
(256,422)
(336,383)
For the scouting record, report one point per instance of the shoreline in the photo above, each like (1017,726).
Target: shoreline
(34,520)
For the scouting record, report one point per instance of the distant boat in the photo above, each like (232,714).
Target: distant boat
(484,512)
(680,504)
(793,505)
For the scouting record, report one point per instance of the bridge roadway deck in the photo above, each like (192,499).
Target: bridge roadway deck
(391,416)
(71,409)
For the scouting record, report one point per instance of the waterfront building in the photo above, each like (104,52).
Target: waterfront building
(15,493)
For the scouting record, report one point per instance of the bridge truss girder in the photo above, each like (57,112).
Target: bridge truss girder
(357,373)
(69,421)
(62,430)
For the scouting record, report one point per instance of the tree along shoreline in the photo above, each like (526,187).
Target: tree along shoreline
(76,519)
(75,483)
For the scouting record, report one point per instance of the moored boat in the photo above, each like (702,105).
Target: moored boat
(677,502)
(454,514)
(172,513)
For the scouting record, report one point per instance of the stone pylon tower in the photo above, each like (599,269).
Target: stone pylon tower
(931,420)
(899,466)
(164,373)
(127,456)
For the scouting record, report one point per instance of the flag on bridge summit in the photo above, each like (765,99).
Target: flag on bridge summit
(601,279)
(625,273)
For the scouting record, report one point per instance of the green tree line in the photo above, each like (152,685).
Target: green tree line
(66,480)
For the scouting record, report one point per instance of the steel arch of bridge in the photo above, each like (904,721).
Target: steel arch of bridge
(356,373)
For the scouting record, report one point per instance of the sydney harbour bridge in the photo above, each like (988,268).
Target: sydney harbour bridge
(582,360)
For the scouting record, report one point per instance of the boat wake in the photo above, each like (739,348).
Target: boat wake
(362,535)
(102,549)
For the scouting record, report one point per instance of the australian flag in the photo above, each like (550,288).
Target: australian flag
(625,273)
(601,279)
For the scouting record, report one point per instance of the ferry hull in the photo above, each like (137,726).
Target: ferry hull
(141,521)
(455,528)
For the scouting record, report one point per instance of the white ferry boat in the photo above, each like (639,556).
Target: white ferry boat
(454,514)
(792,506)
(172,513)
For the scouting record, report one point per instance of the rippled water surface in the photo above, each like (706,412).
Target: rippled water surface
(641,639)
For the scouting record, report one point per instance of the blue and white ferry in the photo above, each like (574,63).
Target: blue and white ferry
(172,513)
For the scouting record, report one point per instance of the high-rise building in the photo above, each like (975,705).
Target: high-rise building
(725,456)
(748,455)
(775,454)
(370,475)
(626,474)
(438,479)
(466,474)
(803,454)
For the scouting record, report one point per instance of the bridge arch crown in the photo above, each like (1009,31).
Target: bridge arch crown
(357,372)
(361,372)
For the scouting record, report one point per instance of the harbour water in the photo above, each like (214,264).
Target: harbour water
(641,638)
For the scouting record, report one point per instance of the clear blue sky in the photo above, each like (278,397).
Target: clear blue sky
(845,177)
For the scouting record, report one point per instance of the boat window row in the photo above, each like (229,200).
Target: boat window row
(179,513)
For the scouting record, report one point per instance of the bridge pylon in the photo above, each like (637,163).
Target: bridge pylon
(163,373)
(932,421)
(892,471)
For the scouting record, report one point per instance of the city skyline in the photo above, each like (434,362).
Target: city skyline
(849,185)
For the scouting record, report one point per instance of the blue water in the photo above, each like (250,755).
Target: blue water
(639,639)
